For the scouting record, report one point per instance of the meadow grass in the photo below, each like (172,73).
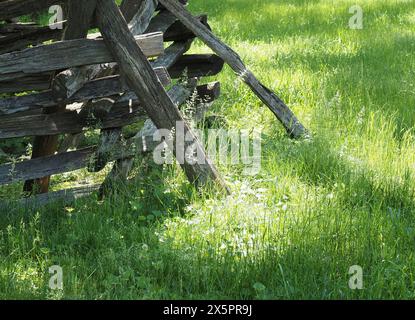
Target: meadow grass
(317,207)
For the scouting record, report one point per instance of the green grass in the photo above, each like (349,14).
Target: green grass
(317,207)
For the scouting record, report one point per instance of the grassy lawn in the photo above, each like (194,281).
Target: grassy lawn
(317,207)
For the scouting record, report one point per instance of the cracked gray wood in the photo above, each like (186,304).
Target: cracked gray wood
(80,16)
(73,160)
(157,104)
(96,89)
(291,124)
(121,115)
(66,83)
(77,52)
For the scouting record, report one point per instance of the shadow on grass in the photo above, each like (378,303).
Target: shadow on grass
(269,19)
(93,241)
(356,187)
(366,78)
(102,243)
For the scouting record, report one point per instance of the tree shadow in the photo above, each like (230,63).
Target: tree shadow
(355,186)
(267,20)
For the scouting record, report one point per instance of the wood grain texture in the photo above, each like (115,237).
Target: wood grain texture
(80,16)
(110,137)
(138,14)
(45,166)
(122,167)
(69,122)
(95,89)
(67,54)
(124,111)
(143,81)
(75,78)
(69,161)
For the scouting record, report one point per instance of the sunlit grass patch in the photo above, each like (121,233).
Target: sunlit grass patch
(318,206)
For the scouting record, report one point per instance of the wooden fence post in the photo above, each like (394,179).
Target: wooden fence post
(80,17)
(143,81)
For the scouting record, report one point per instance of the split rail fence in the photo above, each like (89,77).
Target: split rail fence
(122,74)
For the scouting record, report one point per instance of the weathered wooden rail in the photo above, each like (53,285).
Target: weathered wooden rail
(106,81)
